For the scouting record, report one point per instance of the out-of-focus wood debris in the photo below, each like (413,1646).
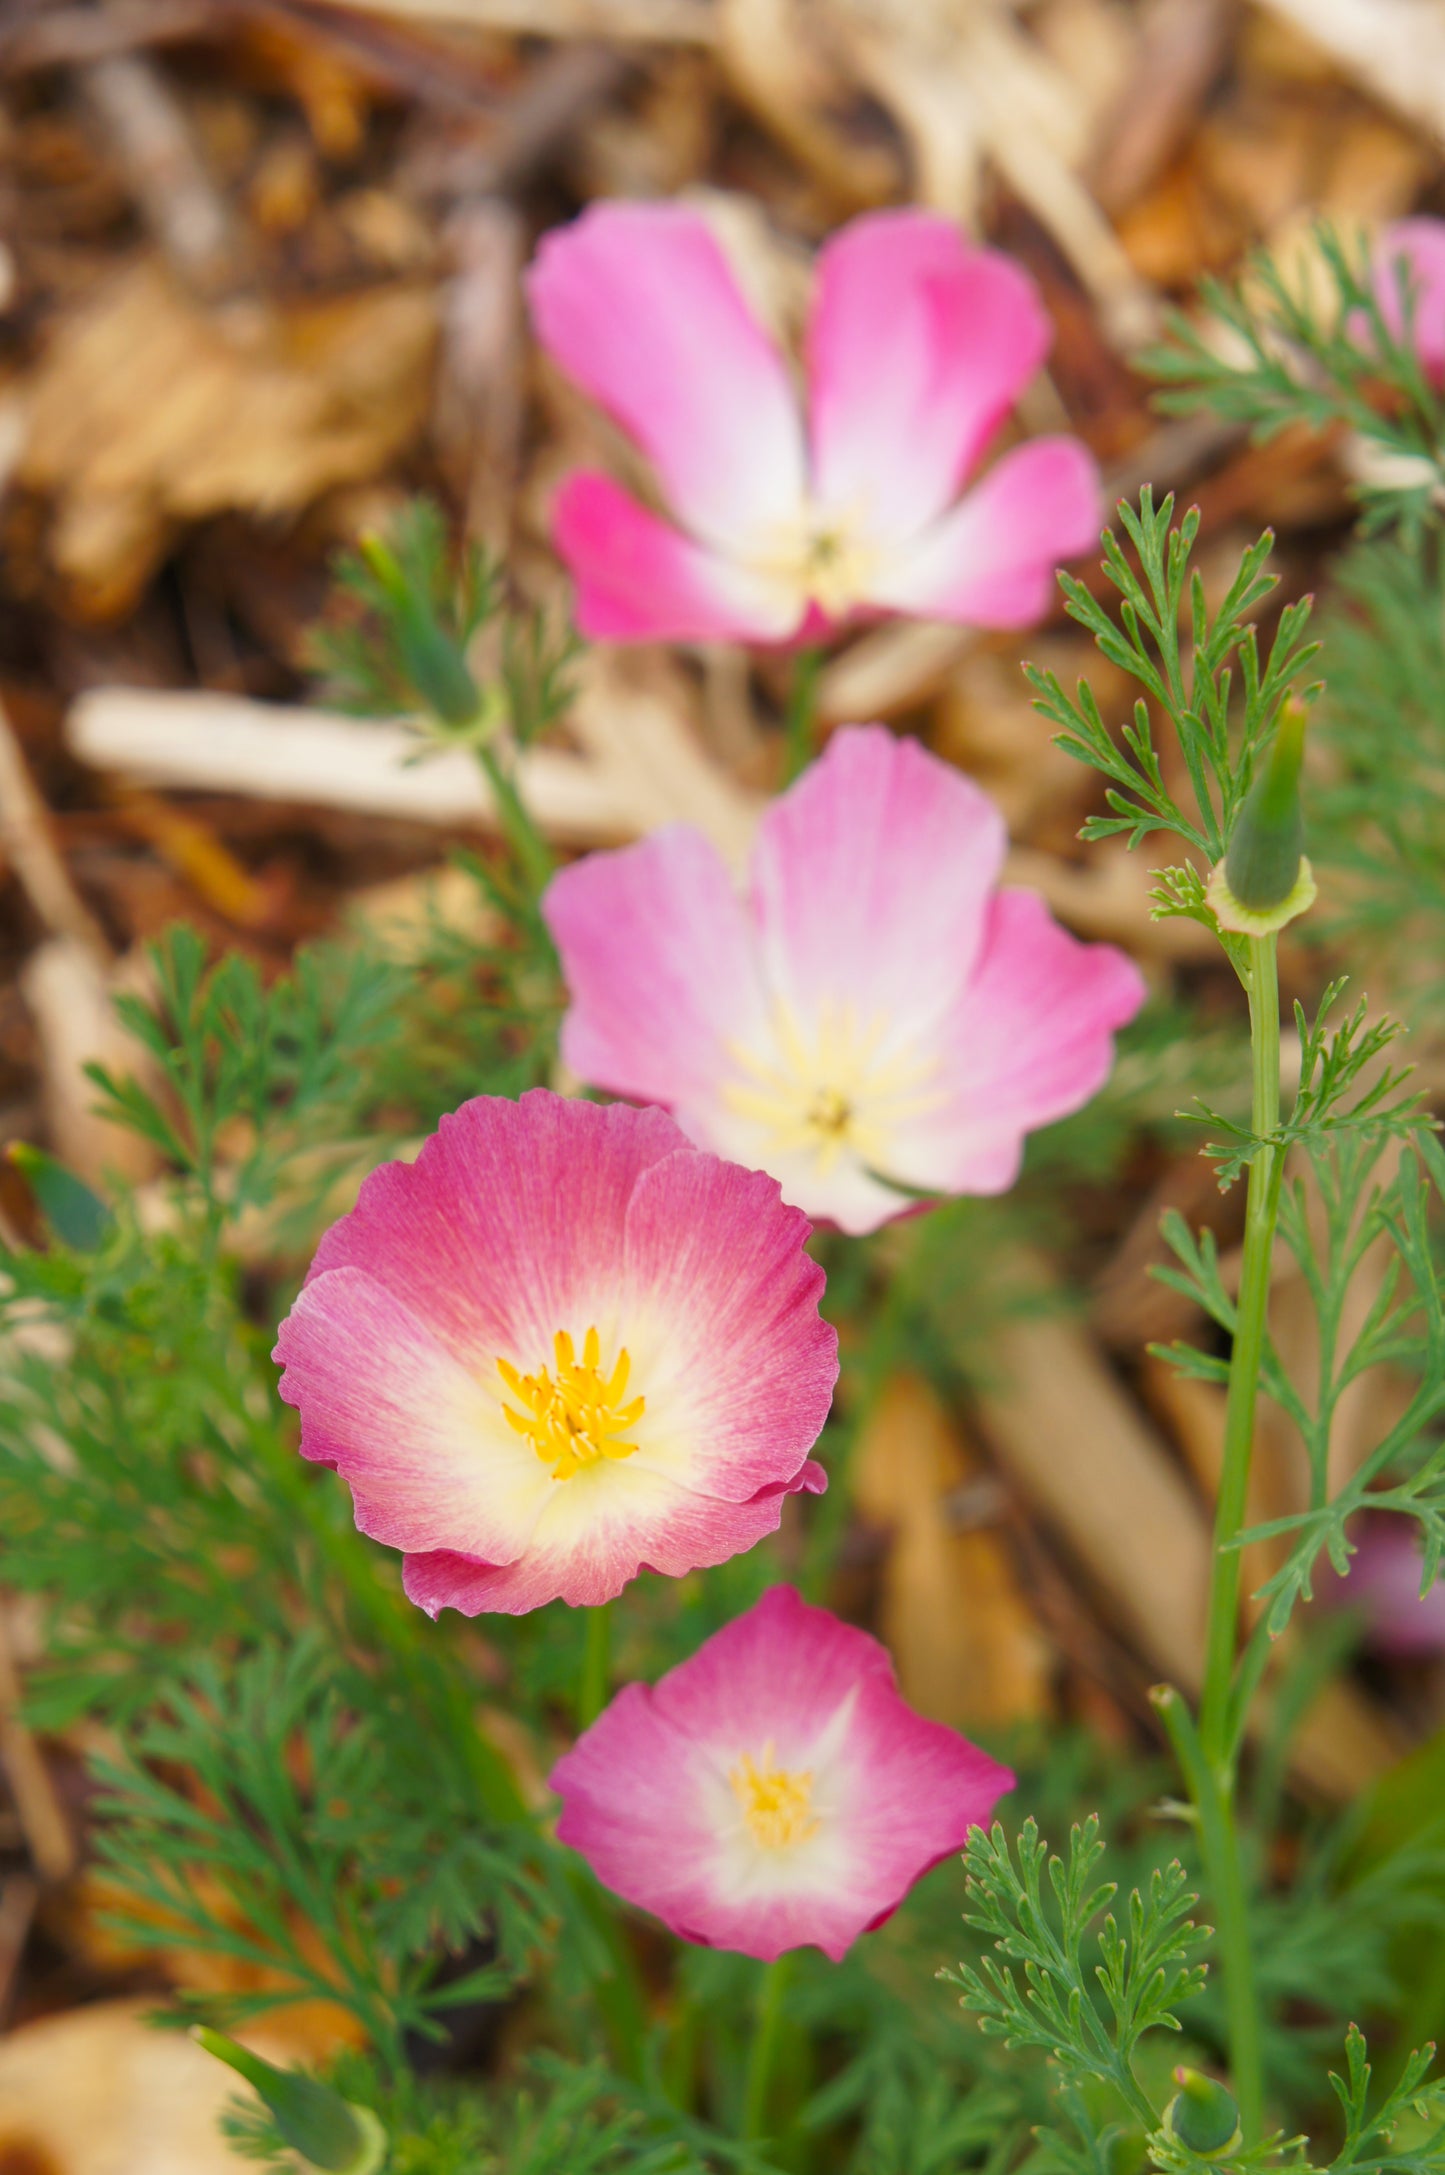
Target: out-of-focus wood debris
(259,283)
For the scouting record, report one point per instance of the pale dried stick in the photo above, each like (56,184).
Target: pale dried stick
(152,140)
(26,841)
(665,22)
(38,1807)
(227,744)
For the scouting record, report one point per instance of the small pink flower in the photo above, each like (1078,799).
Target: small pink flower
(875,1009)
(917,347)
(561,1347)
(1420,245)
(773,1792)
(1383,1585)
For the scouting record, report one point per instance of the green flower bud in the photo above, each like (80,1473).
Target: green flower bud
(430,660)
(1203,2115)
(1264,879)
(325,2130)
(78,1217)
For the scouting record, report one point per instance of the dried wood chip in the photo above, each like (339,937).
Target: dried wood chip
(101,2092)
(149,410)
(968,1646)
(1396,47)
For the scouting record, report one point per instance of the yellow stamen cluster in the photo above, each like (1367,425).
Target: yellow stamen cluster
(823,557)
(574,1417)
(776,1805)
(832,1091)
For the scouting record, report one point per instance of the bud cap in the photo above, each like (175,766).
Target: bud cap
(1264,879)
(324,2130)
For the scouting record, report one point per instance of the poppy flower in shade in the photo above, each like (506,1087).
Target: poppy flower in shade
(1383,1586)
(775,1791)
(874,1009)
(1420,245)
(561,1347)
(917,346)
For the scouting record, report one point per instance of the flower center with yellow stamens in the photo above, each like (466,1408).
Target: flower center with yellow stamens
(777,1805)
(573,1415)
(830,1091)
(823,556)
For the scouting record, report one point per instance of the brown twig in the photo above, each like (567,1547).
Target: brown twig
(152,141)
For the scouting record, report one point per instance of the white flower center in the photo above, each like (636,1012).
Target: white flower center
(823,558)
(833,1089)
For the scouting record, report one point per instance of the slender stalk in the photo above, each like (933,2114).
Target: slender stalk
(1209,1759)
(529,848)
(763,2053)
(594,1680)
(801,716)
(1219,1839)
(1261,1215)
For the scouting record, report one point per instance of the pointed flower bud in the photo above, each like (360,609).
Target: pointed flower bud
(323,2129)
(1203,2115)
(428,655)
(76,1216)
(1264,879)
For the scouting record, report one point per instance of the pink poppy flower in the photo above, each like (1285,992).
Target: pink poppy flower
(1420,243)
(874,1010)
(1383,1585)
(559,1348)
(917,346)
(775,1791)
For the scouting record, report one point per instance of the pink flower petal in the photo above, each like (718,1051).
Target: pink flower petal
(990,562)
(640,580)
(1032,1040)
(508,1225)
(876,1012)
(1383,1585)
(871,878)
(659,963)
(418,1439)
(639,305)
(918,346)
(518,1222)
(649,1801)
(747,1357)
(677,1533)
(1421,244)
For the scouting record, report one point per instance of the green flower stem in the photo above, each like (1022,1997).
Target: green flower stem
(801,716)
(620,1994)
(1266,1173)
(1209,1761)
(595,1677)
(1219,1840)
(529,848)
(763,2053)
